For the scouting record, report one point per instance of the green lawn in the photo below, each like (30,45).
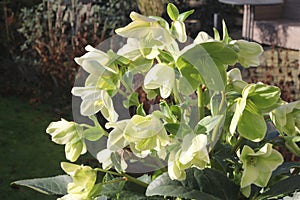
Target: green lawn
(26,151)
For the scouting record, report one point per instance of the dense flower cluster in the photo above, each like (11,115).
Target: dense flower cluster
(201,116)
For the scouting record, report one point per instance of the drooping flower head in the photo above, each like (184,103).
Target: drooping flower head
(258,166)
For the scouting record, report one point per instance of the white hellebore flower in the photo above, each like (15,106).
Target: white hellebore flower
(95,62)
(145,134)
(104,157)
(69,134)
(193,153)
(84,180)
(248,52)
(116,140)
(95,100)
(161,76)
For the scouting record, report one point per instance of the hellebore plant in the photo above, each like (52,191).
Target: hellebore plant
(168,117)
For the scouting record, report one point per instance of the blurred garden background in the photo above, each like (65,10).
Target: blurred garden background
(40,38)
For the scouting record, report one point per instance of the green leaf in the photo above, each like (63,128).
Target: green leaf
(221,52)
(208,60)
(226,37)
(205,184)
(164,186)
(165,57)
(207,124)
(285,186)
(182,17)
(93,134)
(165,109)
(56,185)
(172,127)
(140,65)
(191,77)
(265,97)
(108,82)
(132,100)
(172,11)
(131,195)
(216,102)
(140,110)
(117,58)
(176,111)
(286,167)
(216,34)
(111,186)
(252,126)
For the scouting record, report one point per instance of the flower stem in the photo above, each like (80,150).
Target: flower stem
(200,102)
(237,145)
(135,180)
(128,177)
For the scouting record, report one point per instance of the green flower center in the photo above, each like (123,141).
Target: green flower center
(251,161)
(99,103)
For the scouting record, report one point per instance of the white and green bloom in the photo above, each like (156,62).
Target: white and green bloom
(104,157)
(286,118)
(143,26)
(69,134)
(145,134)
(193,153)
(258,165)
(150,34)
(84,179)
(161,76)
(99,66)
(256,100)
(248,52)
(176,170)
(116,140)
(95,100)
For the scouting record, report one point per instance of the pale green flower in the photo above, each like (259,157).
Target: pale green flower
(75,148)
(145,134)
(110,159)
(95,100)
(258,166)
(142,27)
(193,153)
(84,179)
(71,135)
(286,118)
(256,100)
(63,131)
(116,139)
(176,170)
(99,66)
(151,34)
(104,157)
(248,52)
(161,76)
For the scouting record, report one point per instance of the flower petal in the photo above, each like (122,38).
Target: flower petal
(160,76)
